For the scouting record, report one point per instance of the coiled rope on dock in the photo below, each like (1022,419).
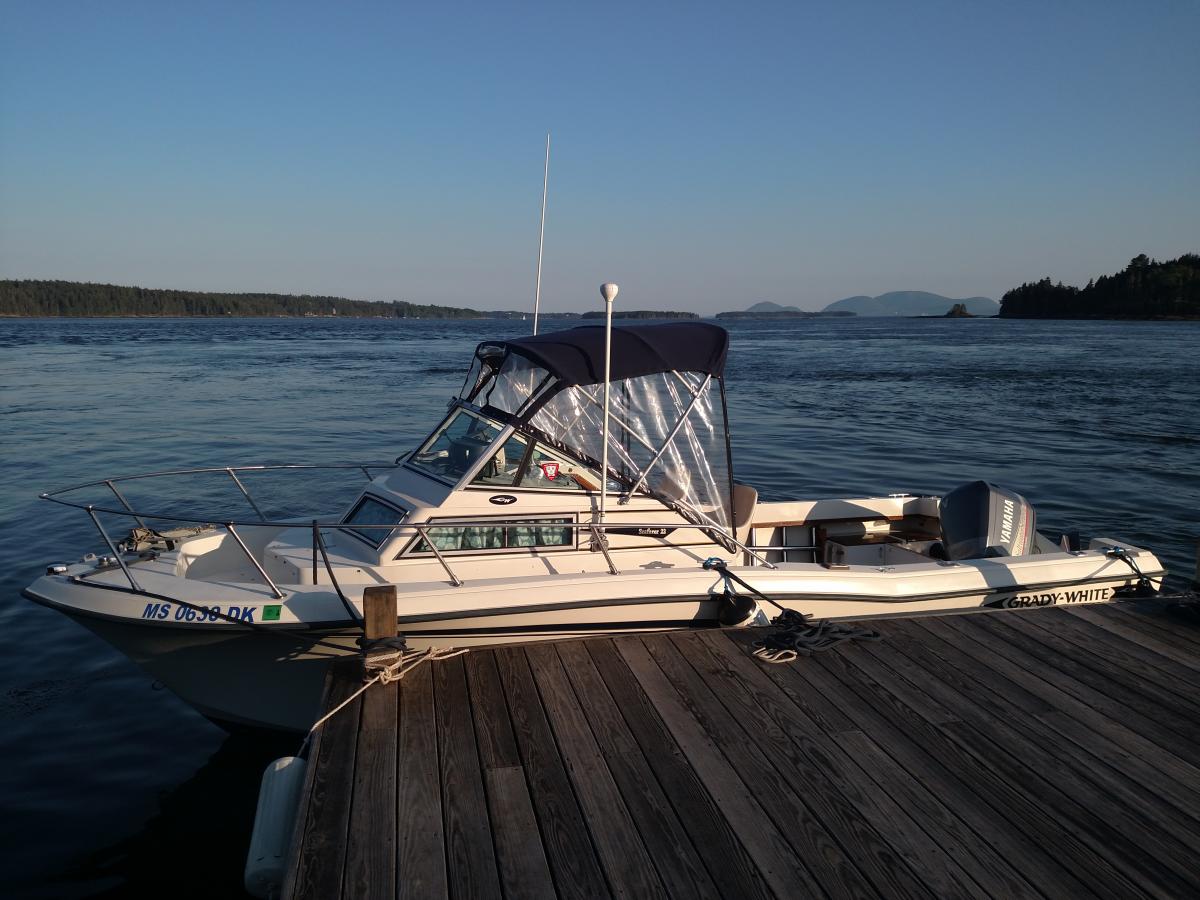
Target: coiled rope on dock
(796,633)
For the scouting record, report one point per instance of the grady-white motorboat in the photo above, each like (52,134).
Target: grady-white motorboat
(570,490)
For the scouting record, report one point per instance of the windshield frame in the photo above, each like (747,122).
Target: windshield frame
(459,407)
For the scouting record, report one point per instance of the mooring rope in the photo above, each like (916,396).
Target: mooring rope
(1146,588)
(796,634)
(401,663)
(716,564)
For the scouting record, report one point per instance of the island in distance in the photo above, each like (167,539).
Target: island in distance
(914,303)
(769,310)
(896,303)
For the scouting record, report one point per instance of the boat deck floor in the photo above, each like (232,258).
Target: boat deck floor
(1049,752)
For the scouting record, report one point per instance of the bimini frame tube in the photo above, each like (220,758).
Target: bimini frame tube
(608,291)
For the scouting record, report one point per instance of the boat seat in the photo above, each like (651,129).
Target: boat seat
(745,498)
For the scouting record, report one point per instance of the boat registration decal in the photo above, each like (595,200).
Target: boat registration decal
(180,613)
(1050,598)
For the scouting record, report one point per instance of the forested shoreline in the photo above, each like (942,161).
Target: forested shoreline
(83,299)
(1145,289)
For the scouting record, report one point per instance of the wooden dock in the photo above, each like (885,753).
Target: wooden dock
(1044,753)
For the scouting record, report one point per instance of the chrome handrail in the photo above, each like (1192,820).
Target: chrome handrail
(209,469)
(418,527)
(250,556)
(718,533)
(115,552)
(245,493)
(422,530)
(124,502)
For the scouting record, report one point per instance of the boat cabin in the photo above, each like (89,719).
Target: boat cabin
(510,480)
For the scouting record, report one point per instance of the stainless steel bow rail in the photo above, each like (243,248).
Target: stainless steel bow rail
(230,526)
(319,552)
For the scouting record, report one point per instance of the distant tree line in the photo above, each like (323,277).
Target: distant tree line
(70,298)
(1145,289)
(640,314)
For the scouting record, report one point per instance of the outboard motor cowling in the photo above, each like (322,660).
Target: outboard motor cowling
(980,520)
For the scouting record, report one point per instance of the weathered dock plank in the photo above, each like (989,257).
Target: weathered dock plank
(327,822)
(1047,752)
(420,842)
(470,856)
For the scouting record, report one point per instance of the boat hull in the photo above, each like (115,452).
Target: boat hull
(272,675)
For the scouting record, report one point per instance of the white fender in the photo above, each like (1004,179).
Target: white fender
(277,801)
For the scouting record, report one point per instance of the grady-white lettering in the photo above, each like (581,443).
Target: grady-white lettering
(1051,598)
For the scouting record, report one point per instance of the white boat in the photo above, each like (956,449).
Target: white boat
(501,527)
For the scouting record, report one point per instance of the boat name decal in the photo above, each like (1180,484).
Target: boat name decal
(502,499)
(1050,598)
(179,613)
(645,531)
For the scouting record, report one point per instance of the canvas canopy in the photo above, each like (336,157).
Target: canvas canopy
(576,356)
(668,431)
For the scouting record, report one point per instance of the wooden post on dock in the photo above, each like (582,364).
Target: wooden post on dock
(379,620)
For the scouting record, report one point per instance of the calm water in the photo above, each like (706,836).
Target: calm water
(111,787)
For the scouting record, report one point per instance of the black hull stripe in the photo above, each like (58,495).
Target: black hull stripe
(533,609)
(565,628)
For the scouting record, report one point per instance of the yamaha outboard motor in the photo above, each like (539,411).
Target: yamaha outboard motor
(980,520)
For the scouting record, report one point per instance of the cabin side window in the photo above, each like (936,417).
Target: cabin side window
(372,520)
(508,535)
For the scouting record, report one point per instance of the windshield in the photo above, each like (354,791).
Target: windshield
(521,463)
(456,445)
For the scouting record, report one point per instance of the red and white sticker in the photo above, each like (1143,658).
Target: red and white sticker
(550,470)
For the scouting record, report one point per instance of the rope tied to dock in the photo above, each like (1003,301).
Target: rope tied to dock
(386,668)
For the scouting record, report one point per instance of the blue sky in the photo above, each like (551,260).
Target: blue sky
(706,156)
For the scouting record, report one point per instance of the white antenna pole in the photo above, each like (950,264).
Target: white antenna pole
(537,291)
(608,291)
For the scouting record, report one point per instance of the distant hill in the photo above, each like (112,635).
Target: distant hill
(912,303)
(1145,289)
(768,310)
(766,306)
(70,298)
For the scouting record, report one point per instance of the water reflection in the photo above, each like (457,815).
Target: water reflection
(195,845)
